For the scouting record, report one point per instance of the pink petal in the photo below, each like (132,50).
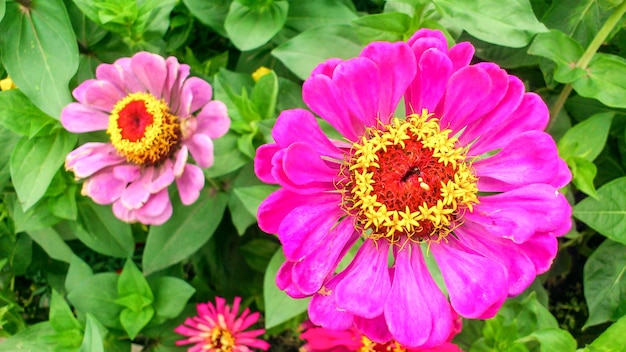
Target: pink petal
(120,75)
(285,282)
(103,188)
(157,210)
(541,249)
(326,68)
(263,162)
(375,329)
(101,95)
(359,83)
(467,90)
(151,71)
(417,312)
(461,54)
(123,213)
(324,311)
(300,126)
(127,172)
(213,119)
(427,90)
(79,118)
(366,284)
(163,177)
(299,184)
(180,160)
(201,148)
(425,39)
(474,283)
(176,75)
(302,164)
(92,157)
(190,184)
(531,157)
(138,192)
(195,94)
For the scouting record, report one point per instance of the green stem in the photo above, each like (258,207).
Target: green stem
(585,59)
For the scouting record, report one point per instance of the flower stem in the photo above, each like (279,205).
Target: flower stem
(585,59)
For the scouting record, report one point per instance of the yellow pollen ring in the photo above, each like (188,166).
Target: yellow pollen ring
(159,137)
(220,340)
(457,194)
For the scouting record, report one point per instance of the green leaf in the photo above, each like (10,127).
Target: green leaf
(39,52)
(34,162)
(307,14)
(61,316)
(391,26)
(509,23)
(77,273)
(20,115)
(36,218)
(170,296)
(279,307)
(210,12)
(132,281)
(52,243)
(264,95)
(93,340)
(133,321)
(249,28)
(228,158)
(612,339)
(30,340)
(96,295)
(101,231)
(184,233)
(607,213)
(554,340)
(563,50)
(3,8)
(605,80)
(305,51)
(587,138)
(579,19)
(604,281)
(8,140)
(252,196)
(583,174)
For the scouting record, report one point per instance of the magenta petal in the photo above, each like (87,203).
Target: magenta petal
(284,281)
(263,162)
(474,283)
(324,311)
(366,284)
(300,126)
(201,148)
(303,165)
(425,39)
(427,91)
(300,183)
(417,313)
(467,90)
(461,55)
(541,249)
(213,119)
(79,118)
(103,188)
(151,71)
(359,83)
(195,94)
(531,157)
(326,68)
(375,329)
(190,184)
(306,227)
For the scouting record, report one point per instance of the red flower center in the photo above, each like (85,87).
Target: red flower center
(133,120)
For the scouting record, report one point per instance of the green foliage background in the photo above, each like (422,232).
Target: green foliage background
(59,252)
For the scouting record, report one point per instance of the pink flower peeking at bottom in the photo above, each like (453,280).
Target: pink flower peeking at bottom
(217,328)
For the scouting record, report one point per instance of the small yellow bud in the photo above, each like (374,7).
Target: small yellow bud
(7,83)
(260,72)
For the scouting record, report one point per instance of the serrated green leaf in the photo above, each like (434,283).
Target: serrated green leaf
(583,174)
(249,28)
(20,115)
(509,23)
(170,296)
(604,281)
(93,340)
(133,321)
(587,138)
(307,14)
(612,339)
(605,80)
(562,50)
(101,231)
(39,52)
(607,213)
(96,295)
(305,51)
(34,162)
(279,307)
(184,233)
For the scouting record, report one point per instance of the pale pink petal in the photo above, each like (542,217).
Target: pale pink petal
(79,118)
(138,192)
(127,172)
(163,176)
(157,210)
(103,187)
(180,160)
(367,283)
(475,283)
(102,95)
(121,75)
(201,149)
(190,184)
(123,213)
(176,75)
(194,94)
(92,157)
(151,71)
(213,119)
(300,126)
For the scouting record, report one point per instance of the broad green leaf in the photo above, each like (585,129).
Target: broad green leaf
(132,281)
(30,340)
(101,231)
(19,254)
(259,252)
(93,340)
(279,307)
(307,14)
(133,321)
(586,139)
(64,205)
(8,140)
(3,8)
(612,339)
(188,229)
(605,80)
(607,213)
(264,95)
(34,163)
(305,51)
(20,115)
(252,196)
(563,50)
(170,296)
(77,273)
(605,282)
(210,12)
(579,19)
(39,52)
(96,295)
(61,316)
(391,26)
(583,174)
(36,218)
(228,158)
(509,23)
(52,243)
(554,340)
(249,28)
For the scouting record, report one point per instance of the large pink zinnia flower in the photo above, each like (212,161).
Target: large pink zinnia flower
(217,328)
(466,175)
(155,117)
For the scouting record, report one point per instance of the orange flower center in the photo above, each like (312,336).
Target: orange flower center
(219,340)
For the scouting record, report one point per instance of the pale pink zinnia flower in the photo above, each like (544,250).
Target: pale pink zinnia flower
(463,174)
(155,116)
(217,328)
